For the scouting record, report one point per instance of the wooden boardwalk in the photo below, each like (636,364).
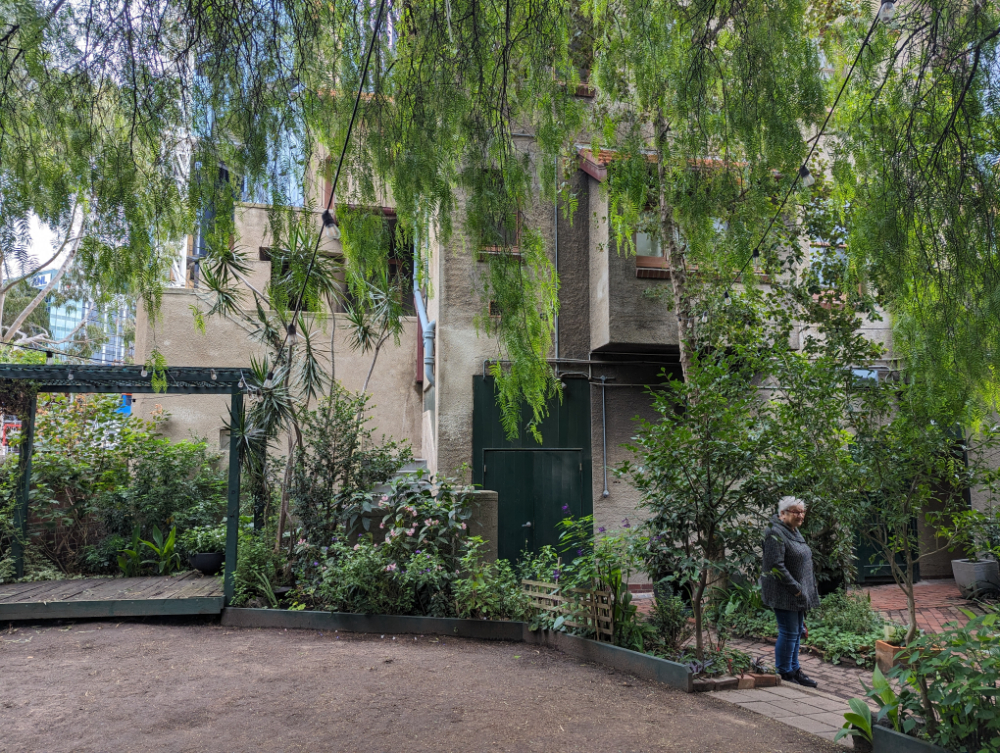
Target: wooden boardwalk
(185,593)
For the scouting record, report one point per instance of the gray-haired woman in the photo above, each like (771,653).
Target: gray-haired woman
(788,585)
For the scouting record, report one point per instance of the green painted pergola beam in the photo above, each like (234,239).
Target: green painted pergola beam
(124,379)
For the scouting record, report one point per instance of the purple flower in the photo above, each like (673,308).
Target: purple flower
(565,508)
(418,551)
(556,574)
(601,529)
(315,564)
(579,552)
(625,523)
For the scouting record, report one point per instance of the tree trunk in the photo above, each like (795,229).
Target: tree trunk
(683,305)
(286,482)
(696,597)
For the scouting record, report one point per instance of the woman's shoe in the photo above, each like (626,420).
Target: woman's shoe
(805,680)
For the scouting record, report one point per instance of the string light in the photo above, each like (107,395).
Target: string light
(144,373)
(331,224)
(727,300)
(213,374)
(269,382)
(805,177)
(293,335)
(48,358)
(69,375)
(704,317)
(886,11)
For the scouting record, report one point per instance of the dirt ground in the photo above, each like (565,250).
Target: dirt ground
(122,687)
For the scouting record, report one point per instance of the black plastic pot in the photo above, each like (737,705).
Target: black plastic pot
(208,563)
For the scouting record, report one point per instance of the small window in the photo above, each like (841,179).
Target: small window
(647,244)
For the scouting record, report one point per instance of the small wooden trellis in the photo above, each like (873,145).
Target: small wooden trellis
(583,609)
(19,388)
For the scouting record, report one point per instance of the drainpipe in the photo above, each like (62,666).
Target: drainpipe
(555,229)
(604,433)
(425,326)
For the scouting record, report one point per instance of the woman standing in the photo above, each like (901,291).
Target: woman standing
(788,585)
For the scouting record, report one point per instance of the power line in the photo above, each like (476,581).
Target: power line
(328,220)
(803,171)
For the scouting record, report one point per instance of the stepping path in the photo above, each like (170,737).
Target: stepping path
(806,709)
(938,602)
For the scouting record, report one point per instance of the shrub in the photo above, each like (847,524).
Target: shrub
(364,579)
(950,681)
(255,558)
(488,590)
(670,618)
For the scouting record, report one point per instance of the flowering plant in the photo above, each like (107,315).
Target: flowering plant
(427,514)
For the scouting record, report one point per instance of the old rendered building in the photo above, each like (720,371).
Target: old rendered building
(613,340)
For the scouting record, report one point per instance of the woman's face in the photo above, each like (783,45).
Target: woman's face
(794,516)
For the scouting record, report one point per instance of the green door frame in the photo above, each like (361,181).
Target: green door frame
(63,378)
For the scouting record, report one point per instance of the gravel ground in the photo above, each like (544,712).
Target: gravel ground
(133,686)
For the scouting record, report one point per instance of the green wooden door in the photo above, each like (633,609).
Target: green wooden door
(533,488)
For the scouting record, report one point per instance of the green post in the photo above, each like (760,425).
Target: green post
(233,512)
(23,488)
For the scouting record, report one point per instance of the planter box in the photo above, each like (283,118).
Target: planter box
(885,740)
(975,576)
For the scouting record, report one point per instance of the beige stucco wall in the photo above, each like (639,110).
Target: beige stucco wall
(395,397)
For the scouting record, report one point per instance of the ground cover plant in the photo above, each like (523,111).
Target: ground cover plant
(845,626)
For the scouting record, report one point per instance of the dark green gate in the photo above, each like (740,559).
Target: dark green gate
(537,488)
(534,481)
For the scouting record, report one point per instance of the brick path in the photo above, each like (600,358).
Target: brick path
(938,602)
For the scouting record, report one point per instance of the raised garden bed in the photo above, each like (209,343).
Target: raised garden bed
(886,740)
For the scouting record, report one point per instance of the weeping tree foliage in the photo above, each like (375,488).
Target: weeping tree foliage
(915,163)
(118,117)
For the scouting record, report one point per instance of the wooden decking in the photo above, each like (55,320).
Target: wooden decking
(186,593)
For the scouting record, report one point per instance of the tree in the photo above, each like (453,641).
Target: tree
(911,460)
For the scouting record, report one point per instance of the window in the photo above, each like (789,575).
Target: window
(650,260)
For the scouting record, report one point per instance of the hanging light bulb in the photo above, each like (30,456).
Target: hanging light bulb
(293,335)
(69,375)
(756,259)
(886,11)
(727,300)
(48,357)
(144,373)
(331,224)
(212,373)
(805,177)
(269,382)
(704,317)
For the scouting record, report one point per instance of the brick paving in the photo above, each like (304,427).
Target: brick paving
(938,602)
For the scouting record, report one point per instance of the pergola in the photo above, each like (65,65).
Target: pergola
(63,378)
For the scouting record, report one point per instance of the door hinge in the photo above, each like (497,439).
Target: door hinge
(581,467)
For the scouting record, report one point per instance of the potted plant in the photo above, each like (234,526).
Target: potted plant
(980,572)
(889,652)
(206,547)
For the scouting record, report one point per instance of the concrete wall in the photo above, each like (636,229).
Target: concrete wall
(396,399)
(626,311)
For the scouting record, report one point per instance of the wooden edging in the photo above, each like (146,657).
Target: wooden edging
(73,610)
(885,740)
(647,667)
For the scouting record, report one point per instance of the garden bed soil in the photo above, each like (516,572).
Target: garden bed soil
(139,687)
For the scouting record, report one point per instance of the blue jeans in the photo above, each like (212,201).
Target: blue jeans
(786,649)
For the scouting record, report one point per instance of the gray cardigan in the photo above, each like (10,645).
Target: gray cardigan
(787,570)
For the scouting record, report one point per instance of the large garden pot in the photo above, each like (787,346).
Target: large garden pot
(889,741)
(976,576)
(208,563)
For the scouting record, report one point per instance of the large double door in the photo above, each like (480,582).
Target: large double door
(537,488)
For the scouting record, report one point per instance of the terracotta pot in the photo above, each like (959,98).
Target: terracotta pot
(888,655)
